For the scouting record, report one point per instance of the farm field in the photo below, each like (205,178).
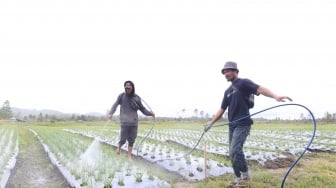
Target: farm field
(84,153)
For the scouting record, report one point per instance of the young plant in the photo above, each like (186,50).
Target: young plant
(121,180)
(107,183)
(188,160)
(191,173)
(85,179)
(160,151)
(128,171)
(138,176)
(92,182)
(199,168)
(150,174)
(208,164)
(152,155)
(111,175)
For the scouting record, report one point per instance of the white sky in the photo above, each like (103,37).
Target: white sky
(74,55)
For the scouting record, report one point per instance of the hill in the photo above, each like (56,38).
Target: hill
(27,112)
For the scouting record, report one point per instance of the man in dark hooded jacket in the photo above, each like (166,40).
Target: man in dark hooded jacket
(129,103)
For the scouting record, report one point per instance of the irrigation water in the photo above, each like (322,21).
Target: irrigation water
(93,152)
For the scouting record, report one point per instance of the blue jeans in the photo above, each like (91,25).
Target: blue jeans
(237,138)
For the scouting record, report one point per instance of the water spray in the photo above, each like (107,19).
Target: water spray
(89,153)
(102,130)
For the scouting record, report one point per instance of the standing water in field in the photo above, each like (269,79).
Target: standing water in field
(92,154)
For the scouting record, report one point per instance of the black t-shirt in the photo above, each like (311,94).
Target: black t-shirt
(235,99)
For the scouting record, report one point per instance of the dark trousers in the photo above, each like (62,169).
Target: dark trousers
(128,133)
(237,138)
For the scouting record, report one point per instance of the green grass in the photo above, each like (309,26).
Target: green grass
(314,171)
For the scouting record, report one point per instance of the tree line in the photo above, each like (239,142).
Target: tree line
(6,113)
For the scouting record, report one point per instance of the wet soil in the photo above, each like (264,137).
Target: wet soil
(33,168)
(280,162)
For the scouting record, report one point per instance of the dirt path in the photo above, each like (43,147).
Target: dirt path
(33,168)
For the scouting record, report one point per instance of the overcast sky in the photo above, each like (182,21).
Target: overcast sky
(74,55)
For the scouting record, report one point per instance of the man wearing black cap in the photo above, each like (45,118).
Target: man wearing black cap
(129,103)
(236,99)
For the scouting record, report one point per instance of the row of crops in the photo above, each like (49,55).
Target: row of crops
(169,156)
(88,163)
(85,154)
(8,151)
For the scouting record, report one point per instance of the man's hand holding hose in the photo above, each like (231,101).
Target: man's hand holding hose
(217,116)
(207,126)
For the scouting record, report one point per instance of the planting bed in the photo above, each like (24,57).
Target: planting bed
(8,152)
(87,163)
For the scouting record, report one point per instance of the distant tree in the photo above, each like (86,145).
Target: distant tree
(46,117)
(40,117)
(183,111)
(73,117)
(31,117)
(302,117)
(6,111)
(53,118)
(328,116)
(207,116)
(82,117)
(202,114)
(196,112)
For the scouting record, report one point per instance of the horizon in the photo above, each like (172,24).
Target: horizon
(268,116)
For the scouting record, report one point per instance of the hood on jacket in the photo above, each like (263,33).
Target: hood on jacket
(127,83)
